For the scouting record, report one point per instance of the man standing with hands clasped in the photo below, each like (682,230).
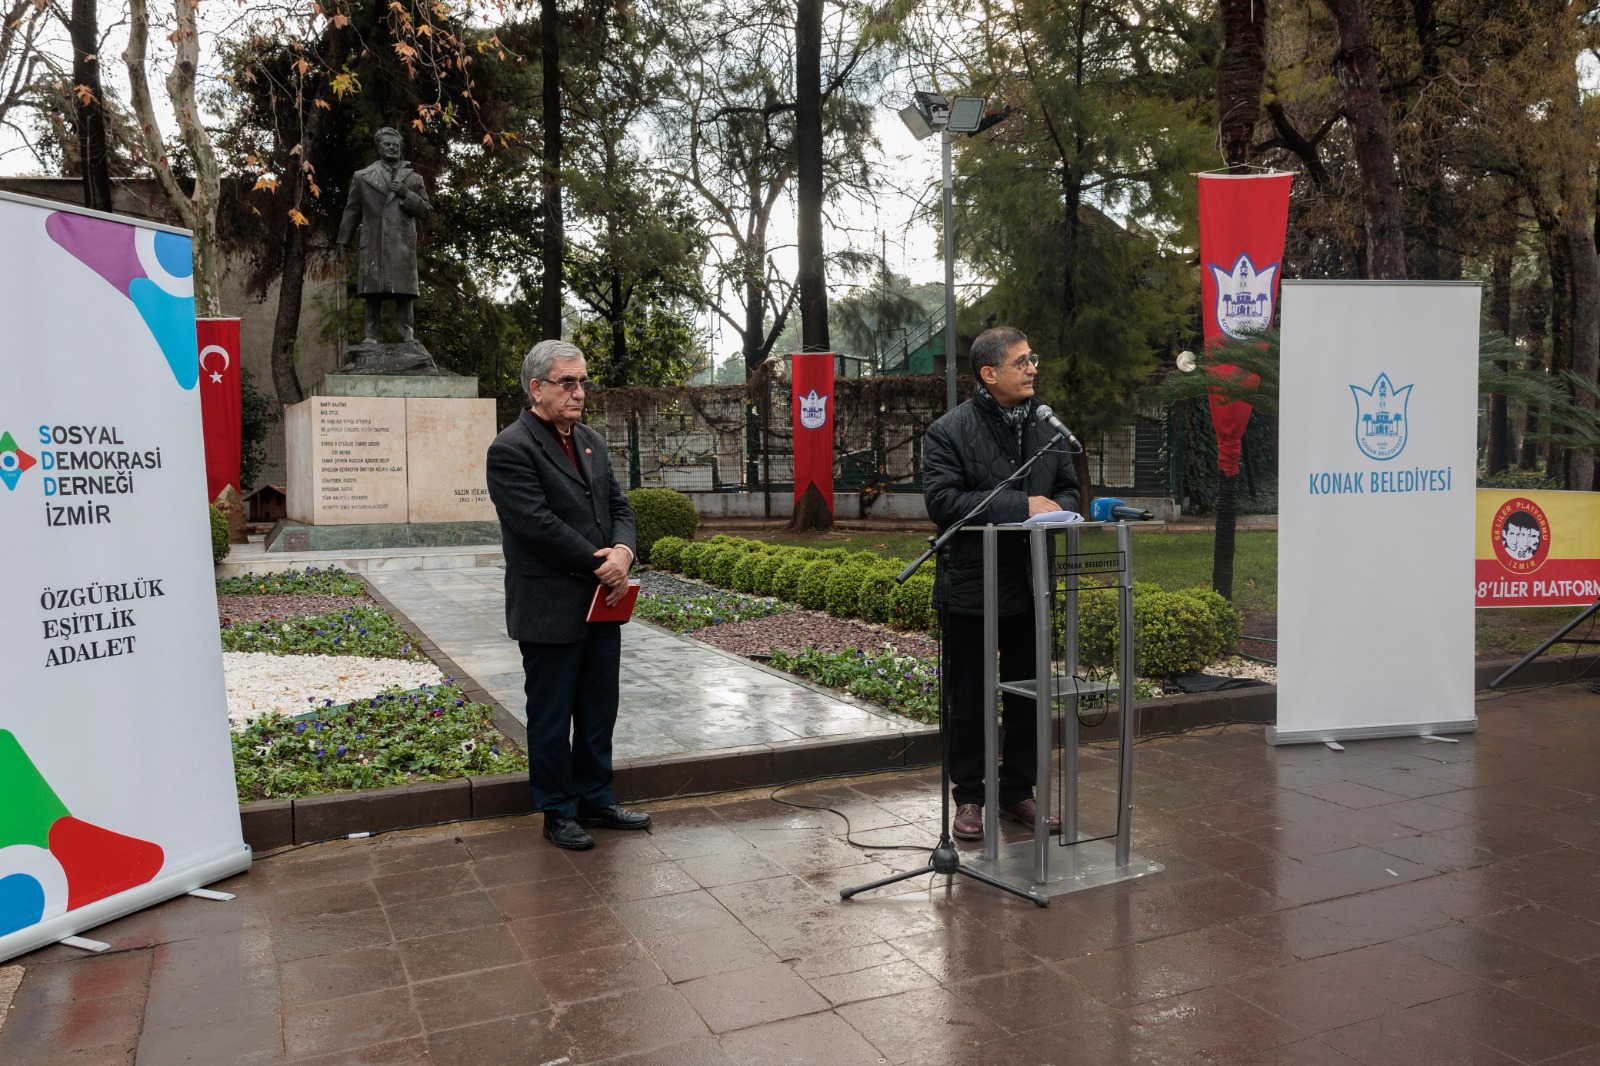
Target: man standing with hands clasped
(566,528)
(969,451)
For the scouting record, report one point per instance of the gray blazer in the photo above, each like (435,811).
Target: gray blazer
(551,523)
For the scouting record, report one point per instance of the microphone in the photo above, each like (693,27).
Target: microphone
(1042,413)
(1111,509)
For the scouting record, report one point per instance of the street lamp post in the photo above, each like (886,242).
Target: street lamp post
(929,112)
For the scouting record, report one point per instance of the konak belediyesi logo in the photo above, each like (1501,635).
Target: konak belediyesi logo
(14,462)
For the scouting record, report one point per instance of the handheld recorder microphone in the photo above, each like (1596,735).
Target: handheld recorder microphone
(1111,509)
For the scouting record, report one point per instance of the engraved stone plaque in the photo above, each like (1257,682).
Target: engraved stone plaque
(446,443)
(347,460)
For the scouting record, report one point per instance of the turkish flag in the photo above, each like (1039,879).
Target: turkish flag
(1243,221)
(220,401)
(811,403)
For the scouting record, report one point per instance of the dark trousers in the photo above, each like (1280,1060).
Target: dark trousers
(572,708)
(963,644)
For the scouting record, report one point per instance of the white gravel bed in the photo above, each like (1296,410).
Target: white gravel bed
(260,683)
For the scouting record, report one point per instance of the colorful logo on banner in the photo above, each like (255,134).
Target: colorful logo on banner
(13,461)
(1244,297)
(1521,535)
(813,410)
(51,862)
(152,268)
(1381,418)
(1243,221)
(1537,549)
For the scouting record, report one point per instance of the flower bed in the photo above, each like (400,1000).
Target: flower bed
(349,670)
(395,738)
(685,614)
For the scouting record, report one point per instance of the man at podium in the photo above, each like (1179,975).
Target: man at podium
(968,452)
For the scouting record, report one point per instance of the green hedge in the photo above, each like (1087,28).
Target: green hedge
(1177,632)
(665,552)
(661,513)
(220,544)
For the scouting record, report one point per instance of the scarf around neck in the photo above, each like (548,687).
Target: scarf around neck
(1014,418)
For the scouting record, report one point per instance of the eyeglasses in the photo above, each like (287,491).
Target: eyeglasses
(1024,360)
(568,384)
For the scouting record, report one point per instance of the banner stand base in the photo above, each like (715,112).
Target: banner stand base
(83,943)
(1420,730)
(61,929)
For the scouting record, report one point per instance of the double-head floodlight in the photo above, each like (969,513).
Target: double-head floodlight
(930,112)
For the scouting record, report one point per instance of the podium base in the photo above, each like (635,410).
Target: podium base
(1073,867)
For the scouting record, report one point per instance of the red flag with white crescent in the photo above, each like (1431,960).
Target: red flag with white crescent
(220,401)
(1243,221)
(811,402)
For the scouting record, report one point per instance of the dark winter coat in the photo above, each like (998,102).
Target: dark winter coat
(388,228)
(967,452)
(551,523)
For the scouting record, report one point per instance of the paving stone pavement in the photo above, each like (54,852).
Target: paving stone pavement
(1402,902)
(678,695)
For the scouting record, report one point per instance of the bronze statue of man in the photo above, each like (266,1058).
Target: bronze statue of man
(386,200)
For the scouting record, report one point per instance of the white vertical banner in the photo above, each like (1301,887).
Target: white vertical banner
(116,769)
(1376,508)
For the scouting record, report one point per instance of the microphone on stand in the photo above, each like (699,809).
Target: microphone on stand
(1111,509)
(1042,413)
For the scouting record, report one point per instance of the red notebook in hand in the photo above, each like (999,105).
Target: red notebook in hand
(600,612)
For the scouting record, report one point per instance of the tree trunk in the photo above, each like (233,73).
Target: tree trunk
(1227,520)
(553,245)
(1558,252)
(292,275)
(808,151)
(198,210)
(1357,67)
(1241,71)
(1535,306)
(1497,449)
(93,165)
(1577,197)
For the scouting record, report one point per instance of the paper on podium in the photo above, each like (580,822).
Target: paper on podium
(1053,518)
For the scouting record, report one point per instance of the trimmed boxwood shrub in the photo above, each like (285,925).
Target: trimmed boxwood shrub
(786,581)
(744,571)
(911,604)
(664,554)
(661,513)
(836,555)
(690,557)
(716,565)
(874,601)
(220,544)
(766,569)
(812,589)
(1175,632)
(842,591)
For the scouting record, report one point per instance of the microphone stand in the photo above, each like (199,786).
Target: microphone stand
(946,859)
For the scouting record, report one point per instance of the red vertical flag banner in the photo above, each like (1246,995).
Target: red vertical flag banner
(219,401)
(811,401)
(1243,219)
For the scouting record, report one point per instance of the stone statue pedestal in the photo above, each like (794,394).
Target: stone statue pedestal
(388,460)
(401,357)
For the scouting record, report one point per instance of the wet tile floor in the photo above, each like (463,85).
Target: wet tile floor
(1403,902)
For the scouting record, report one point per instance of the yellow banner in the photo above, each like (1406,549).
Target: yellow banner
(1537,548)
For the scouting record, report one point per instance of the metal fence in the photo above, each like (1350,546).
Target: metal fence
(730,438)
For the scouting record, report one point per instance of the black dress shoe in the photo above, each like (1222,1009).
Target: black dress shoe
(566,833)
(615,817)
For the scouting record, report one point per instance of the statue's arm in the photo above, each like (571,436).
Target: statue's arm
(415,202)
(352,214)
